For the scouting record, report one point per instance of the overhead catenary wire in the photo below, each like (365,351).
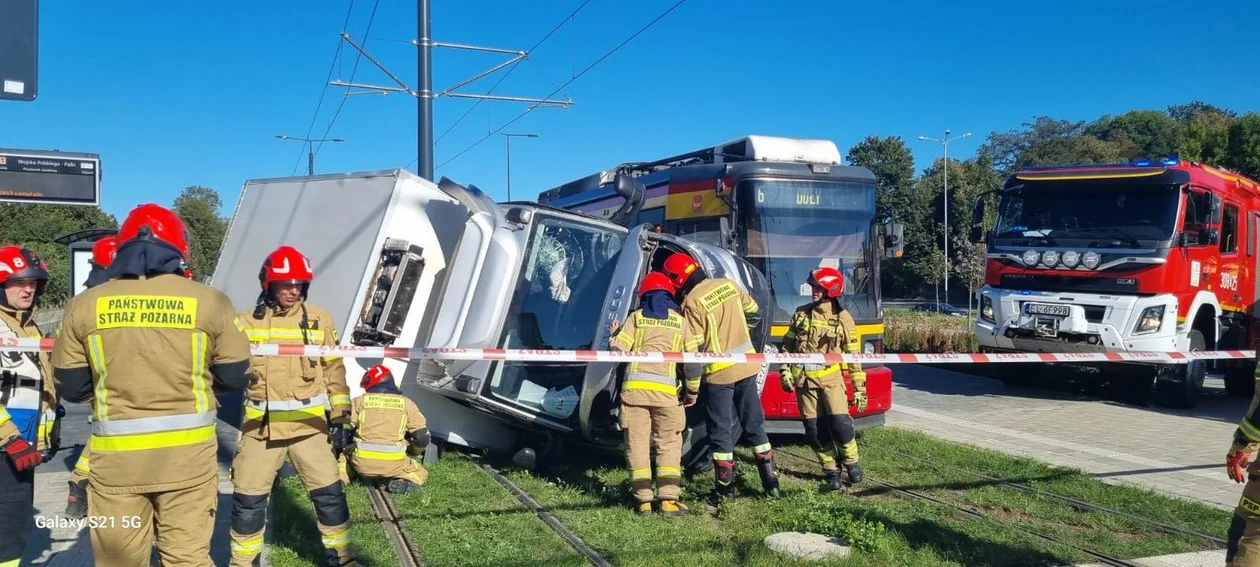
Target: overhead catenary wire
(353,71)
(567,83)
(507,73)
(331,67)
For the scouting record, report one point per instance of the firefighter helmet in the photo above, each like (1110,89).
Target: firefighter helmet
(154,223)
(375,375)
(18,263)
(830,280)
(679,267)
(104,250)
(286,264)
(656,281)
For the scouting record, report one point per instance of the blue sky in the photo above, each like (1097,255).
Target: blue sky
(180,93)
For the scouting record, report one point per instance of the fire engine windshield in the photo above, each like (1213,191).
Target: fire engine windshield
(1089,211)
(792,227)
(563,282)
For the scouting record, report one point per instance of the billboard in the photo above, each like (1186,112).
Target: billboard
(49,177)
(80,266)
(19,42)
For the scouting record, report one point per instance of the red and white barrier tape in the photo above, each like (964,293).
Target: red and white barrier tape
(528,355)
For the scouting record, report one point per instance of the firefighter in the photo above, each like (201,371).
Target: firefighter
(151,349)
(651,411)
(718,316)
(389,431)
(27,396)
(1243,546)
(103,251)
(294,406)
(822,326)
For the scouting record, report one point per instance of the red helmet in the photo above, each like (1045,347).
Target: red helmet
(103,251)
(286,264)
(375,375)
(17,263)
(156,223)
(678,267)
(656,281)
(829,279)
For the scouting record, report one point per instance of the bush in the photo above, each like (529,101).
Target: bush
(907,331)
(828,517)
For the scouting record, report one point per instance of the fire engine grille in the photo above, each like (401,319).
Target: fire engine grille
(1095,313)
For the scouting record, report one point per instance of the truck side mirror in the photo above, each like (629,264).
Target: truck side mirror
(976,235)
(724,228)
(894,244)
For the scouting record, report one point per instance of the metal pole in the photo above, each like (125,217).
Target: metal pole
(310,160)
(946,144)
(508,139)
(424,117)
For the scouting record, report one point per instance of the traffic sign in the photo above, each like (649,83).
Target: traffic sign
(19,43)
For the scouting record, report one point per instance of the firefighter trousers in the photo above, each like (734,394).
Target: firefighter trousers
(645,426)
(81,467)
(124,526)
(826,401)
(254,470)
(732,409)
(17,500)
(392,466)
(1243,544)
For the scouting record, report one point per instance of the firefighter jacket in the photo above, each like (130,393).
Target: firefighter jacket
(151,353)
(26,384)
(1247,435)
(382,424)
(650,384)
(717,317)
(821,328)
(290,397)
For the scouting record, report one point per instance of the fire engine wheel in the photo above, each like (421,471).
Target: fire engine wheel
(1183,383)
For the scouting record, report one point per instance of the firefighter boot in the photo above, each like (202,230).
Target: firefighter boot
(403,486)
(643,508)
(674,508)
(765,468)
(855,472)
(76,501)
(724,480)
(834,480)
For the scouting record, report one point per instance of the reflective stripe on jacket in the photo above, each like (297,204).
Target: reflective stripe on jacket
(716,314)
(650,383)
(822,328)
(381,424)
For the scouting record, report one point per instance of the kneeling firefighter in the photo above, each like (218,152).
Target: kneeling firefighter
(103,251)
(717,317)
(823,327)
(295,406)
(651,413)
(28,400)
(389,431)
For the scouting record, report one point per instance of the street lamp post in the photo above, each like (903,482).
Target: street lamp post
(507,137)
(310,149)
(944,142)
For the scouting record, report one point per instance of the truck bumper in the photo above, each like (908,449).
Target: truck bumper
(1083,322)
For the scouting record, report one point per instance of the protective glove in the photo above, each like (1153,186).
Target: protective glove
(341,435)
(786,380)
(54,435)
(860,400)
(689,399)
(1236,462)
(23,455)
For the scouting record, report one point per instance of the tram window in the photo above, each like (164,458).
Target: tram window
(704,231)
(653,217)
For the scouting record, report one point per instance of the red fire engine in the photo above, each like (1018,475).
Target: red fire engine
(1145,256)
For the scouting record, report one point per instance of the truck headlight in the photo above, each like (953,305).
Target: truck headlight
(1150,321)
(873,346)
(986,309)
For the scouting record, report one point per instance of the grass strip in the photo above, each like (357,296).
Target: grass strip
(296,540)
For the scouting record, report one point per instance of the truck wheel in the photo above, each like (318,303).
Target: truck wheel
(1182,388)
(1240,381)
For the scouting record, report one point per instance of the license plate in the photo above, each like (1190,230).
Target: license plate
(1045,309)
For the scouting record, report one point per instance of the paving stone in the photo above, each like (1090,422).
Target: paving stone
(805,545)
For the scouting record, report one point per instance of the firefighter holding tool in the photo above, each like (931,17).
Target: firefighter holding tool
(151,349)
(718,316)
(28,400)
(651,413)
(103,251)
(295,406)
(389,431)
(823,327)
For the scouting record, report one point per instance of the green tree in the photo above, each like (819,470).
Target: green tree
(1207,137)
(1139,134)
(199,207)
(36,226)
(1244,145)
(1047,141)
(893,165)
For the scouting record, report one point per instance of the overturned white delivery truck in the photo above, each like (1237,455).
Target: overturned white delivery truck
(401,261)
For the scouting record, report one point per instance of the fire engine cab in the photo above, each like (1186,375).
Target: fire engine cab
(1143,256)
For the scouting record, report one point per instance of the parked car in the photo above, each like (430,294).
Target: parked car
(941,307)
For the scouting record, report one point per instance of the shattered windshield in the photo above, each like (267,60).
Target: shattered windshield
(559,297)
(1128,212)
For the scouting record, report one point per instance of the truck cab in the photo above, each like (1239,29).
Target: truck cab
(410,263)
